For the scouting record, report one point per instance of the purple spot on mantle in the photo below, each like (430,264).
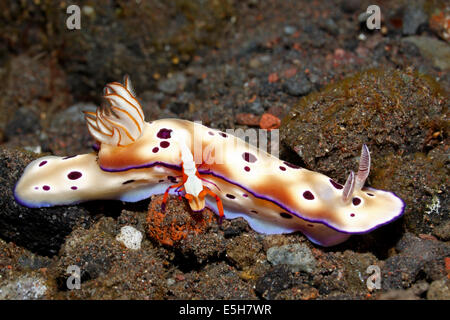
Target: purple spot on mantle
(245,195)
(164,144)
(36,188)
(290,165)
(73,188)
(282,168)
(247,168)
(308,195)
(46,188)
(42,163)
(74,175)
(254,211)
(352,214)
(68,157)
(249,157)
(230,196)
(172,179)
(223,134)
(336,185)
(211,133)
(155,149)
(371,194)
(164,133)
(356,201)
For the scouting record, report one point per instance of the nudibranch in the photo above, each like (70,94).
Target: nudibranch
(211,168)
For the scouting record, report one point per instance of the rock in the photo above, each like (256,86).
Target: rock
(237,227)
(24,287)
(422,249)
(29,82)
(118,40)
(415,256)
(355,272)
(93,257)
(254,63)
(178,107)
(130,237)
(173,84)
(193,236)
(254,107)
(73,114)
(216,280)
(297,86)
(399,272)
(268,121)
(40,230)
(33,262)
(350,6)
(25,120)
(439,20)
(413,293)
(107,270)
(442,231)
(437,51)
(330,26)
(248,119)
(243,251)
(277,279)
(168,86)
(413,17)
(297,257)
(439,290)
(325,131)
(289,30)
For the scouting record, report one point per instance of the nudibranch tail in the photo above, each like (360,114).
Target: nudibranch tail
(123,123)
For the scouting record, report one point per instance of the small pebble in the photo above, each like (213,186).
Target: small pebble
(413,18)
(269,121)
(288,30)
(26,287)
(248,119)
(130,237)
(298,86)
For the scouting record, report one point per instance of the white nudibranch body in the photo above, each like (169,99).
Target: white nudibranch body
(137,159)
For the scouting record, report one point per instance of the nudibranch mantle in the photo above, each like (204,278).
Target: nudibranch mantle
(274,196)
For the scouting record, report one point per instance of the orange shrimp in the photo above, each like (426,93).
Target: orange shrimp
(195,191)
